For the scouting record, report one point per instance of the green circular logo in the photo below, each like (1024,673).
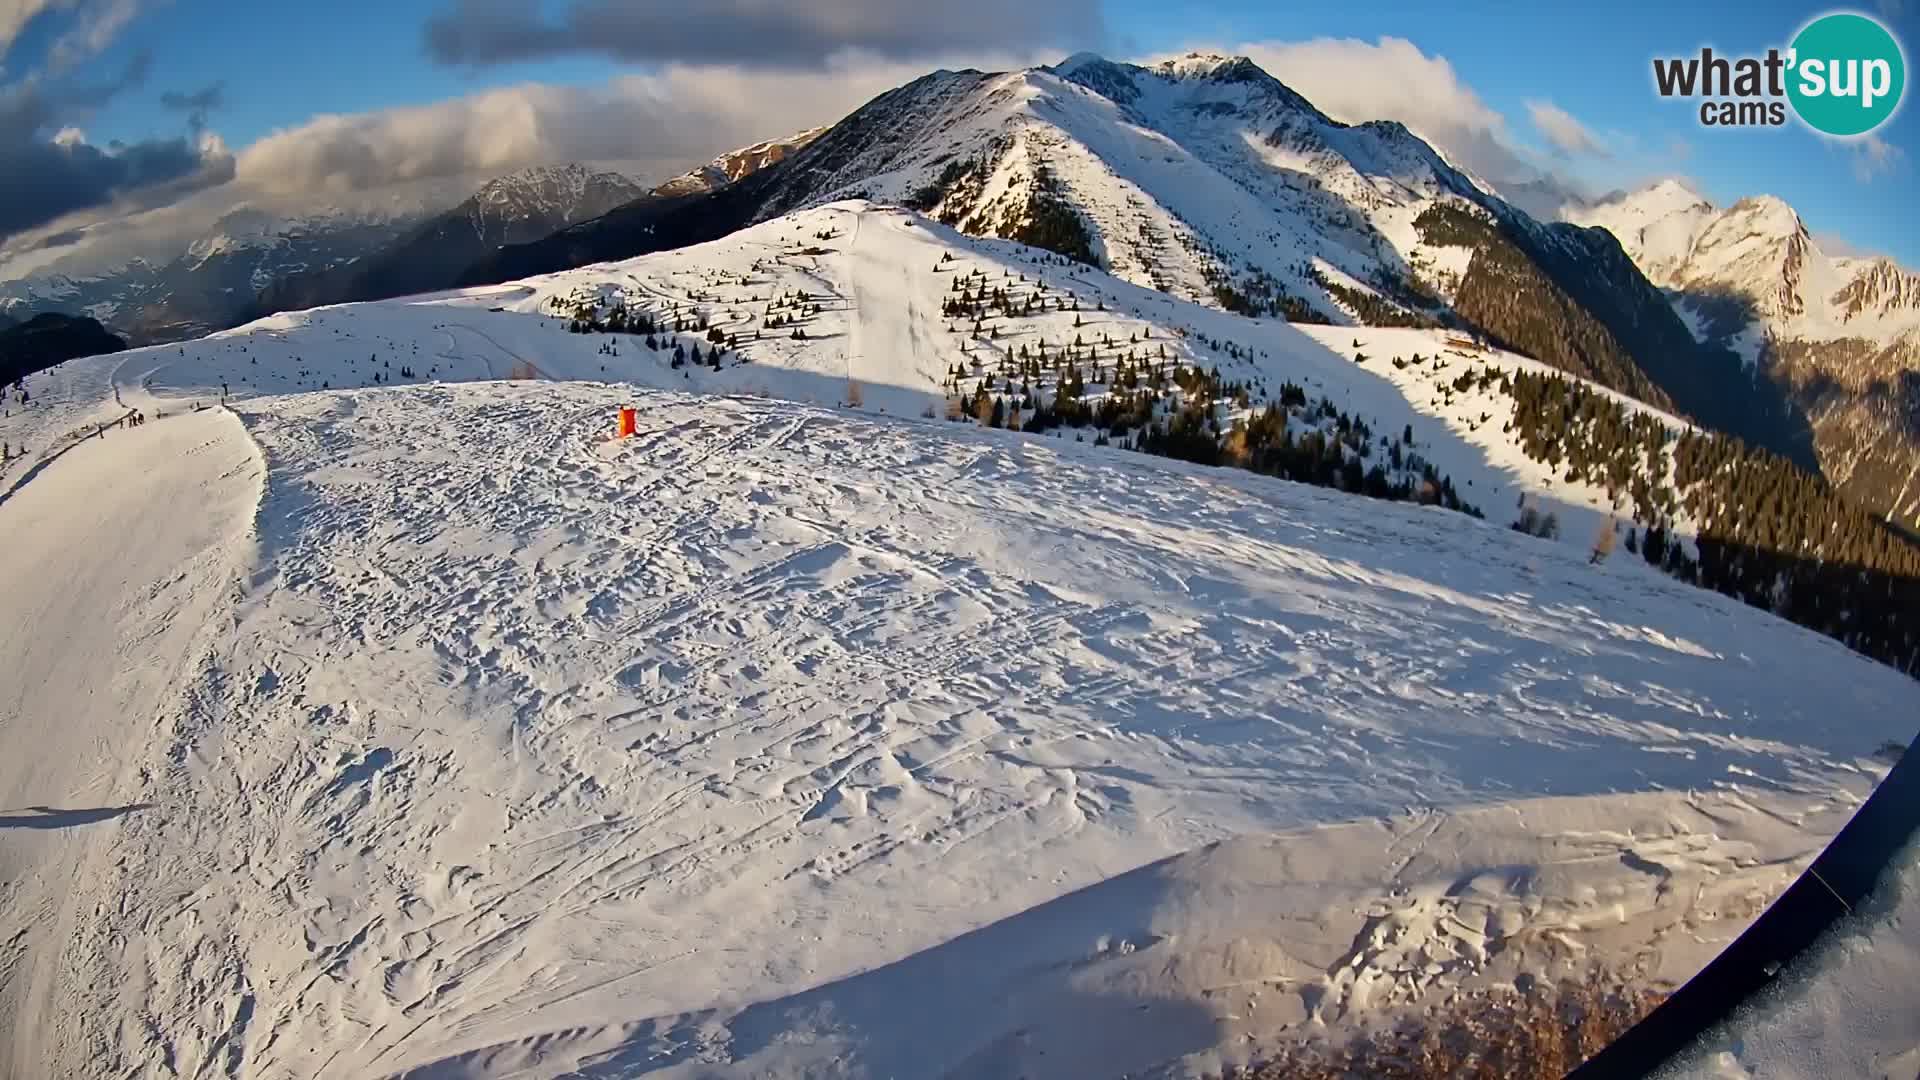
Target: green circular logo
(1847,74)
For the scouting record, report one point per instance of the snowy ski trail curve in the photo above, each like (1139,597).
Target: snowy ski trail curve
(98,651)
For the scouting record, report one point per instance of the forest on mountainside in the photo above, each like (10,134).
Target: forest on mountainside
(1769,532)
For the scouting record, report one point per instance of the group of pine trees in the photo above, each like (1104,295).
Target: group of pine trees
(1179,415)
(1045,219)
(1136,395)
(1506,294)
(1260,296)
(1337,451)
(1050,222)
(933,194)
(1570,425)
(1375,308)
(1768,532)
(588,314)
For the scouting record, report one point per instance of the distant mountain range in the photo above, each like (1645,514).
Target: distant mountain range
(1838,335)
(49,339)
(255,263)
(202,289)
(517,209)
(512,209)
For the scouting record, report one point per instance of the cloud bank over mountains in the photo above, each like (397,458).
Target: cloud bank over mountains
(757,33)
(706,79)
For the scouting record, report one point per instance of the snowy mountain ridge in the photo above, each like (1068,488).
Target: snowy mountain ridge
(199,291)
(736,165)
(968,146)
(565,193)
(1206,178)
(510,209)
(1841,334)
(251,248)
(1116,142)
(1760,249)
(516,209)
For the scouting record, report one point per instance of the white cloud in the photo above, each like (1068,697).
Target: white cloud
(652,126)
(69,137)
(1874,157)
(675,118)
(99,23)
(1354,81)
(1837,245)
(1566,133)
(15,14)
(95,23)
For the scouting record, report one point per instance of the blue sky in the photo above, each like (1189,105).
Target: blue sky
(282,64)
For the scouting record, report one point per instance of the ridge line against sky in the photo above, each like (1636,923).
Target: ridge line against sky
(128,124)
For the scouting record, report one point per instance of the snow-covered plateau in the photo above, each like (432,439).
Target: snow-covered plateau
(394,718)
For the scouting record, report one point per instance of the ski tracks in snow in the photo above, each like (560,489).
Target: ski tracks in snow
(97,652)
(520,728)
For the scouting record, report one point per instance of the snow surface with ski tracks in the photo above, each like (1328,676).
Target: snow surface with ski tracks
(360,731)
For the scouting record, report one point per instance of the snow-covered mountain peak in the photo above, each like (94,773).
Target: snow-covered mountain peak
(1078,62)
(1110,80)
(1877,286)
(1671,192)
(1209,65)
(1769,212)
(1194,66)
(544,179)
(736,165)
(1637,209)
(1191,174)
(550,196)
(1205,83)
(1758,247)
(1230,103)
(1842,333)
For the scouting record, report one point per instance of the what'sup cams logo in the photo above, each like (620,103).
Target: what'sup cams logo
(1843,75)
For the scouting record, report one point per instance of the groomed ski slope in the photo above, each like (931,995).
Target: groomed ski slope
(120,562)
(786,738)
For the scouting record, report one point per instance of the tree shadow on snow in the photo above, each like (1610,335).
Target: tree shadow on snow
(48,817)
